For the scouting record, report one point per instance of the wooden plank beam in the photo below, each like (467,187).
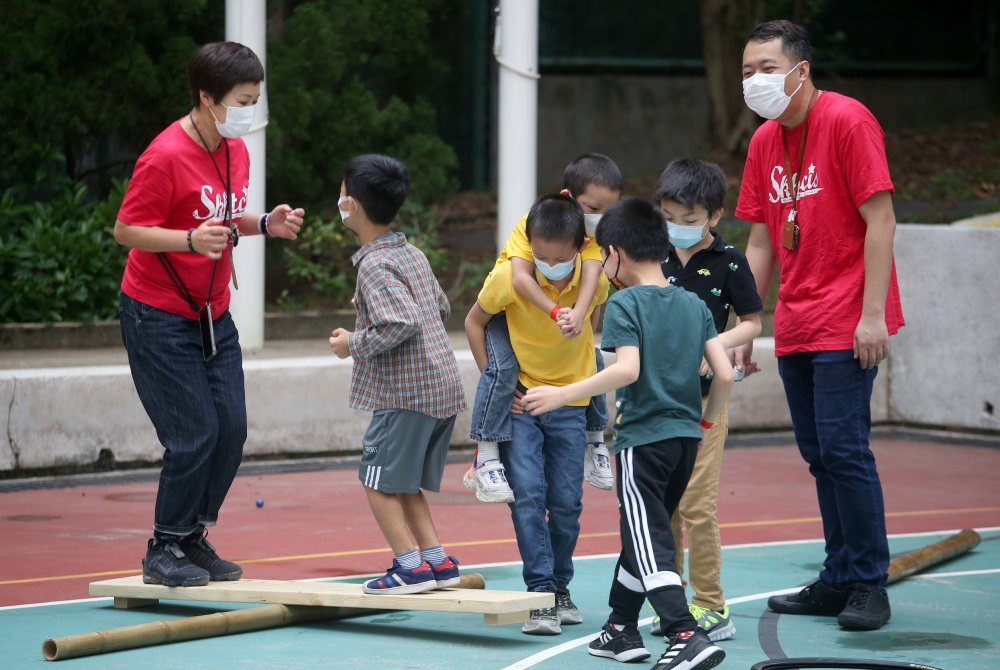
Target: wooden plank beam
(499,607)
(132,603)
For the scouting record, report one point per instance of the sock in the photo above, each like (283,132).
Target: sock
(409,559)
(488,451)
(618,626)
(595,436)
(433,555)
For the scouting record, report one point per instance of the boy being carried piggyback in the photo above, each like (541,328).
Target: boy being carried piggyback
(595,182)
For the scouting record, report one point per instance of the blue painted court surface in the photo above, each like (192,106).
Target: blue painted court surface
(948,617)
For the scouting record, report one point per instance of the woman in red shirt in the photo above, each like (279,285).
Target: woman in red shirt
(183,213)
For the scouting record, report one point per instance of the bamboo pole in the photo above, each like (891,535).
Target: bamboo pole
(932,554)
(207,625)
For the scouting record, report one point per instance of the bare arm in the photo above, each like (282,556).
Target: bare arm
(475,330)
(871,339)
(622,372)
(209,239)
(282,221)
(525,284)
(761,259)
(745,331)
(590,274)
(595,318)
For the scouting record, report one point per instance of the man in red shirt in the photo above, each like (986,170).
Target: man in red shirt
(817,189)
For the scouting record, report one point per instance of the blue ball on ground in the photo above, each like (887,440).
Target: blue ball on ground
(260,502)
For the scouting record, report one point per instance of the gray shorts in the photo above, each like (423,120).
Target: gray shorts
(404,451)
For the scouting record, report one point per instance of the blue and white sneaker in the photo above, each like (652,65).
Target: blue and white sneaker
(446,574)
(597,466)
(399,580)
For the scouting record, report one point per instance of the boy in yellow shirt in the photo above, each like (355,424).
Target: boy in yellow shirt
(544,455)
(595,182)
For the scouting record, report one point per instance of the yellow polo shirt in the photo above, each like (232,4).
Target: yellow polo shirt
(546,358)
(518,245)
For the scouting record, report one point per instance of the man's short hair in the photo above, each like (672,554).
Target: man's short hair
(589,169)
(219,67)
(557,218)
(379,183)
(795,42)
(636,227)
(692,182)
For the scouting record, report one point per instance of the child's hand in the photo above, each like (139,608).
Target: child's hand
(518,405)
(339,343)
(705,368)
(543,399)
(704,436)
(570,322)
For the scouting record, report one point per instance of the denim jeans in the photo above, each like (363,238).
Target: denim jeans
(829,395)
(544,463)
(198,410)
(495,392)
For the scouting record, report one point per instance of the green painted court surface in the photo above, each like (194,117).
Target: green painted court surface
(949,617)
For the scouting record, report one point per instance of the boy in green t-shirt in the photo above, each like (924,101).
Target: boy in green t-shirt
(659,334)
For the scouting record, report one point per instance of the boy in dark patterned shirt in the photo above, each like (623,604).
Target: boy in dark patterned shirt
(404,371)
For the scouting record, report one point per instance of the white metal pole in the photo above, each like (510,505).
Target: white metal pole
(246,22)
(516,50)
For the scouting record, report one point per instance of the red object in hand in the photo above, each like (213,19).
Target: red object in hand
(706,425)
(555,312)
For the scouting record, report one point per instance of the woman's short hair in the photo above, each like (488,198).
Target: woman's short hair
(219,67)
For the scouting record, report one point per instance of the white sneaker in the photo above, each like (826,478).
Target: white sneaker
(597,466)
(489,482)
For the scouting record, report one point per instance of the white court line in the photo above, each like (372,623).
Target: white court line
(939,575)
(506,563)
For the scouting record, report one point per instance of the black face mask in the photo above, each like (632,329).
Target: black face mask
(614,280)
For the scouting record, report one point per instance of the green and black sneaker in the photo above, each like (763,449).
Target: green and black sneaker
(717,625)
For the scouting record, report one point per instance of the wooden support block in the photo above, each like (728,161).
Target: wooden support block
(500,606)
(132,603)
(505,619)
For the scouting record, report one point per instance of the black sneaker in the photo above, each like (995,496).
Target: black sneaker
(568,612)
(166,564)
(817,599)
(622,645)
(543,621)
(867,608)
(197,547)
(690,650)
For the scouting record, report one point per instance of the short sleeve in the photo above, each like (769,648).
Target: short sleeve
(748,205)
(862,157)
(741,289)
(620,328)
(709,320)
(591,252)
(518,244)
(498,291)
(148,197)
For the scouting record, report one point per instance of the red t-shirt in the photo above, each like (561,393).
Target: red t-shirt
(176,186)
(822,282)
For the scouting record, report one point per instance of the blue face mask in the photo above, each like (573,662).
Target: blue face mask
(557,271)
(685,237)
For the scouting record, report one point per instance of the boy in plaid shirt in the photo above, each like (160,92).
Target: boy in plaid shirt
(404,371)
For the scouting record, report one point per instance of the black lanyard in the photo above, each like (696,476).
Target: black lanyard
(228,217)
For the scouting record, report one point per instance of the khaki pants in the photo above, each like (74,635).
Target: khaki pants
(698,511)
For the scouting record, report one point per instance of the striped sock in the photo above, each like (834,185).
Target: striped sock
(409,560)
(433,555)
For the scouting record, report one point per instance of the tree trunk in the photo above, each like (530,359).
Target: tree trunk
(724,27)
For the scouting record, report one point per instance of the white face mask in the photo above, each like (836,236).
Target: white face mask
(343,213)
(590,222)
(557,271)
(238,121)
(765,93)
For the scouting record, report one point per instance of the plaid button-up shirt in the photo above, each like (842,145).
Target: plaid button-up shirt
(402,355)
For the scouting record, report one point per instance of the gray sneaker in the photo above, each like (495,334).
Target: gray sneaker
(543,622)
(166,564)
(201,552)
(597,466)
(568,612)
